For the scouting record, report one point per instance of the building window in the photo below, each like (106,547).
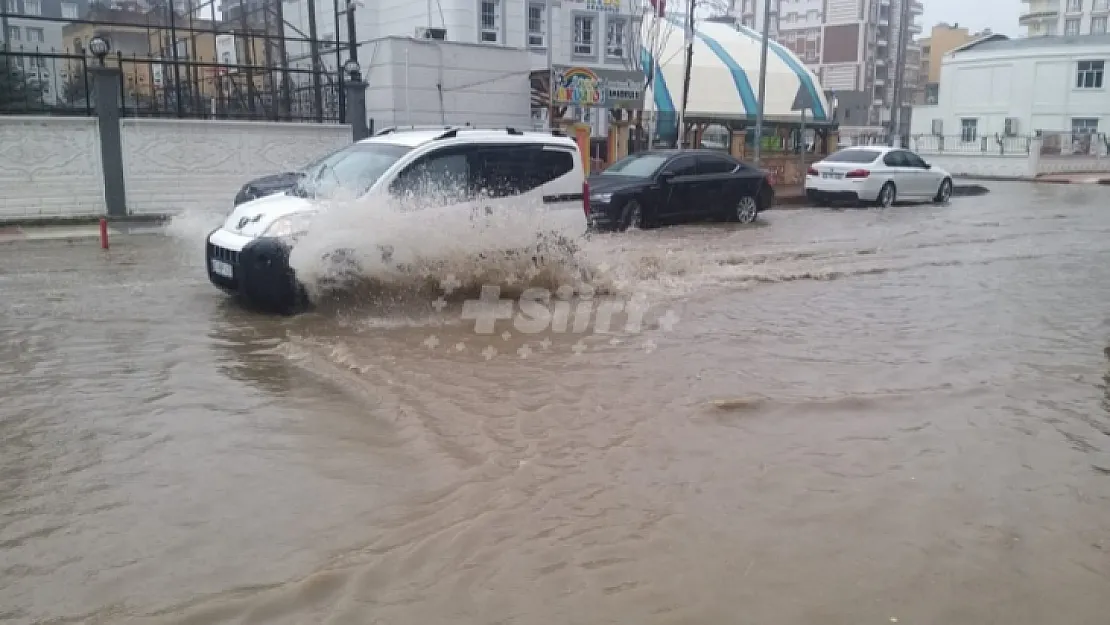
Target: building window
(13,33)
(969,130)
(536,26)
(1075,6)
(1050,30)
(1084,126)
(32,7)
(1089,74)
(749,22)
(1101,5)
(490,19)
(36,35)
(584,35)
(69,11)
(615,29)
(1098,25)
(1071,27)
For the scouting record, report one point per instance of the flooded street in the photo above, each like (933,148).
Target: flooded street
(835,417)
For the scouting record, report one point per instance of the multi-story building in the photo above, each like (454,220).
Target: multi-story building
(32,27)
(941,40)
(596,34)
(1065,17)
(852,45)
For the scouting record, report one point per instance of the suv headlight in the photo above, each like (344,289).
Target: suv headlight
(601,198)
(289,227)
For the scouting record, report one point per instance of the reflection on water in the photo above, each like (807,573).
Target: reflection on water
(851,416)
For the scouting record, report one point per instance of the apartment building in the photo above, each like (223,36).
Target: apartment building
(852,45)
(29,28)
(1047,18)
(942,39)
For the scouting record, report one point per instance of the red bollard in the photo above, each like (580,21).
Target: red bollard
(103,234)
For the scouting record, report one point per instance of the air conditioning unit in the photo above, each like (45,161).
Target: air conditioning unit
(1011,127)
(439,34)
(938,127)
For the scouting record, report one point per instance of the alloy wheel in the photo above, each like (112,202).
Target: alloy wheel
(746,210)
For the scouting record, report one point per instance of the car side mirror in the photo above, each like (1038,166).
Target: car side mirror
(928,165)
(666,177)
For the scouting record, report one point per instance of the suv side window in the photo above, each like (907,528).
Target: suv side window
(708,164)
(508,170)
(442,176)
(683,166)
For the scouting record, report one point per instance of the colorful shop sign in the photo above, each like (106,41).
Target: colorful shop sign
(603,88)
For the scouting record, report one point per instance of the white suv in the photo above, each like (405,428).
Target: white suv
(249,255)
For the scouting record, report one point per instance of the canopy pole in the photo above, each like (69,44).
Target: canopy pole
(688,39)
(762,80)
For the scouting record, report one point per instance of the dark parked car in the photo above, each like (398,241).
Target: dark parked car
(668,186)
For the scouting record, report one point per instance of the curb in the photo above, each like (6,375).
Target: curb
(79,232)
(84,220)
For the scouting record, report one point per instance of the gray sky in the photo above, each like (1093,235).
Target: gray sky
(998,15)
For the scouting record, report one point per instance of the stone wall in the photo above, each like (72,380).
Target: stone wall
(983,165)
(173,165)
(50,167)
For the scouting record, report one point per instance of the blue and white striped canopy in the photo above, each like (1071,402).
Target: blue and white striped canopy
(724,79)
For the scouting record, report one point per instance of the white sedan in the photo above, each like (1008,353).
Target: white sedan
(876,174)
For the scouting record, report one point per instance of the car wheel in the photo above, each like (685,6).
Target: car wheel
(632,215)
(887,195)
(945,192)
(747,209)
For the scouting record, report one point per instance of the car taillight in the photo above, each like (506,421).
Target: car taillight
(811,172)
(586,197)
(857,173)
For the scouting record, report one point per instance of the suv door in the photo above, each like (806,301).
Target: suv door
(685,191)
(439,178)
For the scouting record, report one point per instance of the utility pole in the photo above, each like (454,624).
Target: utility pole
(900,72)
(688,41)
(762,79)
(551,6)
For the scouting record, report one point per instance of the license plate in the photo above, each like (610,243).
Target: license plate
(220,268)
(830,174)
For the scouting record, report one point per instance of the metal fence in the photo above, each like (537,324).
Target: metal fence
(237,59)
(971,144)
(1078,144)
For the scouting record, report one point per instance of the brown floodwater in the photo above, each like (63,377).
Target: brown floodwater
(856,416)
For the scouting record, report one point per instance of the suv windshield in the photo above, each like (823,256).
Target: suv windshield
(853,156)
(352,170)
(637,165)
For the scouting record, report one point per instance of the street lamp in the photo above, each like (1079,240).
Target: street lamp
(99,46)
(353,71)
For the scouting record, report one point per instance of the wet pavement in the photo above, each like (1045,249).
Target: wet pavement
(854,416)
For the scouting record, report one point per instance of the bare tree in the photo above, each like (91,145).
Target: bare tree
(647,32)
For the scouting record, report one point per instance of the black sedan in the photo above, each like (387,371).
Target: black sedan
(670,186)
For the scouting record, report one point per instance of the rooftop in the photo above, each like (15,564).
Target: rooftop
(1002,43)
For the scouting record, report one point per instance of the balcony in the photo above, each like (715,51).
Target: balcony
(916,7)
(1038,16)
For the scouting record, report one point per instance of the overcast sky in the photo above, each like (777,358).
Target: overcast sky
(999,15)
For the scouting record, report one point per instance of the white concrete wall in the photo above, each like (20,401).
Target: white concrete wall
(50,167)
(173,165)
(988,166)
(422,82)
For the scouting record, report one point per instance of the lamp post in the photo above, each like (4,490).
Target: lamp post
(100,47)
(551,6)
(356,100)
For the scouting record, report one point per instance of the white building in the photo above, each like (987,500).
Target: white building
(1065,17)
(999,96)
(514,33)
(1021,86)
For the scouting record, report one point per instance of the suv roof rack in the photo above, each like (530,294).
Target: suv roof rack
(395,129)
(453,132)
